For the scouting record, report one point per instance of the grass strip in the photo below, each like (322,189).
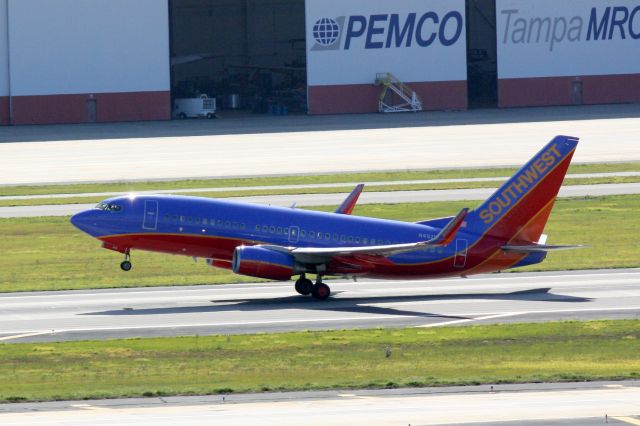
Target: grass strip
(48,253)
(126,187)
(343,189)
(379,358)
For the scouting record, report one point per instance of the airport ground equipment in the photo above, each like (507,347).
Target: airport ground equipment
(203,106)
(408,99)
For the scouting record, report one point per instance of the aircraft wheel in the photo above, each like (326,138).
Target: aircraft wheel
(321,291)
(125,265)
(304,286)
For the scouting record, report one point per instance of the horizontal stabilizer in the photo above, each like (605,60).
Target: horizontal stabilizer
(537,248)
(440,222)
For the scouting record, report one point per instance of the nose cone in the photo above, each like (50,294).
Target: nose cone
(84,221)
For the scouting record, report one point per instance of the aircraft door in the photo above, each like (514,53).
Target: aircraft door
(460,259)
(294,234)
(150,220)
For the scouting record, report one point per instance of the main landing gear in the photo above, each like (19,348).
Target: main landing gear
(126,263)
(319,290)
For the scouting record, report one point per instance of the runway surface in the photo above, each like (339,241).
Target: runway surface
(540,404)
(273,307)
(302,145)
(308,200)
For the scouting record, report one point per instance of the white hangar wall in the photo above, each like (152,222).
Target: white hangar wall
(88,60)
(568,52)
(422,42)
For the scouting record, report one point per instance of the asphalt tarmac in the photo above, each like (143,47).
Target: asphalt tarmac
(275,307)
(373,197)
(540,404)
(259,146)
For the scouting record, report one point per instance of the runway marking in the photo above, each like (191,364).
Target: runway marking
(460,321)
(627,419)
(87,407)
(18,336)
(219,324)
(390,285)
(491,315)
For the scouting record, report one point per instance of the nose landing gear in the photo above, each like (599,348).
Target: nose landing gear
(126,263)
(319,290)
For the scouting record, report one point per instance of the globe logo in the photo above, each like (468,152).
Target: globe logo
(326,31)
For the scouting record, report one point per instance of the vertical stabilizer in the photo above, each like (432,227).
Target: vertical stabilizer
(519,209)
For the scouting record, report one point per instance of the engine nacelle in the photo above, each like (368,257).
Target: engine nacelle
(260,262)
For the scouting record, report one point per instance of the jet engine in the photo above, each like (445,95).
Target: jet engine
(261,262)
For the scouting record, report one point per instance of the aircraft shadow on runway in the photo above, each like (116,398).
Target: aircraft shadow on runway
(347,304)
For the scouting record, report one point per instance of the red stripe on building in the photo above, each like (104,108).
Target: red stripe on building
(608,89)
(363,98)
(108,107)
(4,110)
(594,89)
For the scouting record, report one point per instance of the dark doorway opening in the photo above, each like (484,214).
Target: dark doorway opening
(92,110)
(249,55)
(482,69)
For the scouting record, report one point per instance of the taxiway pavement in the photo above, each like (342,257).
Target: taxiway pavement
(373,197)
(559,404)
(303,187)
(275,307)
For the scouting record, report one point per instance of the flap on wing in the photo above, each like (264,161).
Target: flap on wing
(349,203)
(444,237)
(537,248)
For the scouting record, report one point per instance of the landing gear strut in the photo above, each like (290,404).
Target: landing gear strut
(319,290)
(126,263)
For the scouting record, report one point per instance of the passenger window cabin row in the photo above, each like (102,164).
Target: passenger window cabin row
(190,220)
(308,235)
(304,234)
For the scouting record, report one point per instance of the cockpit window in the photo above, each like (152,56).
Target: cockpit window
(109,207)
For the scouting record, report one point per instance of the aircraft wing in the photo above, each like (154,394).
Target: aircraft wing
(310,254)
(350,202)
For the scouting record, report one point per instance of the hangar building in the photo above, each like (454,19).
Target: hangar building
(73,61)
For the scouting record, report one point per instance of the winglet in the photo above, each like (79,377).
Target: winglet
(446,235)
(350,202)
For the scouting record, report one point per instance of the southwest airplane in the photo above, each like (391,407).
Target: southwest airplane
(277,243)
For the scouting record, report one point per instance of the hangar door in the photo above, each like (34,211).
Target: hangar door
(248,54)
(482,75)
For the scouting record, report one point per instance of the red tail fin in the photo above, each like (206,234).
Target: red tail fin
(519,209)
